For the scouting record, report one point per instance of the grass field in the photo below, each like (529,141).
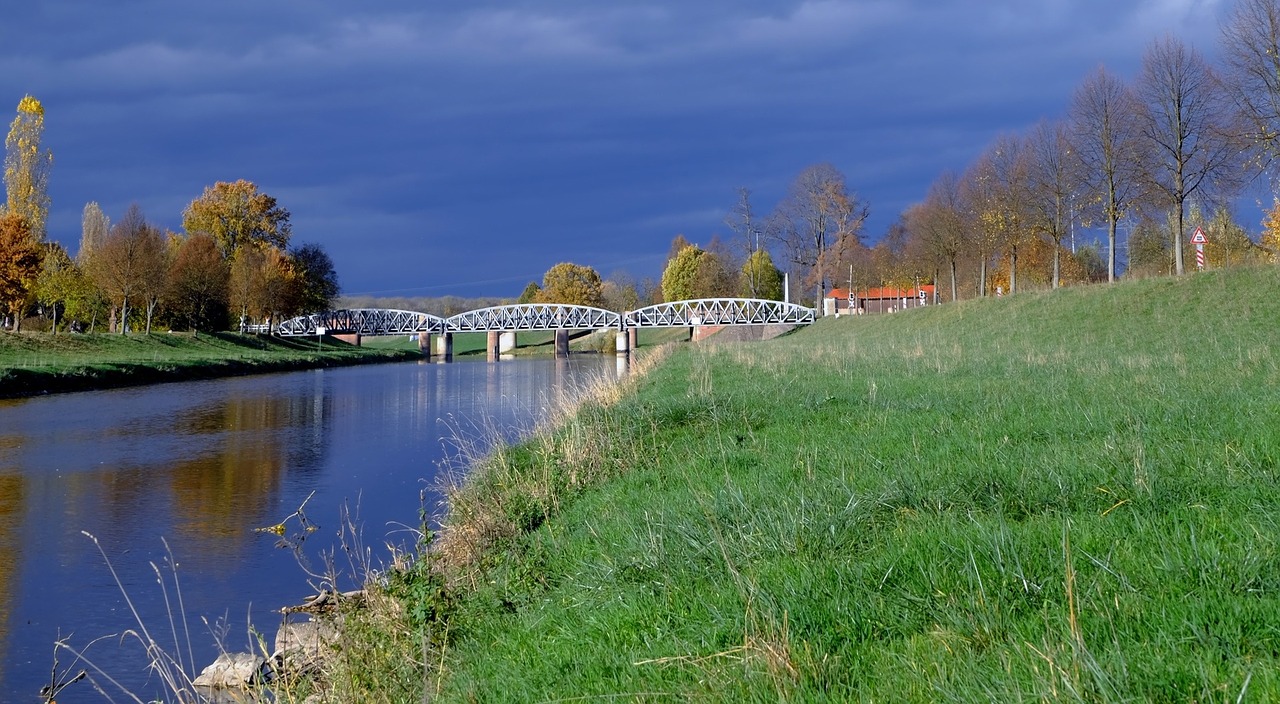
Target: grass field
(1065,495)
(33,363)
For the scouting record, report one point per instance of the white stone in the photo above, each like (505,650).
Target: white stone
(300,644)
(231,670)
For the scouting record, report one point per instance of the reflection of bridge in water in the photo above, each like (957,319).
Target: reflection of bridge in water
(503,322)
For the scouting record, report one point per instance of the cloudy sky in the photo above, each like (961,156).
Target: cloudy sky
(465,146)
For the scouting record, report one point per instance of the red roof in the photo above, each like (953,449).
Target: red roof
(882,292)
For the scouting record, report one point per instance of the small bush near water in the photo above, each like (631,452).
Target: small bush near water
(1065,495)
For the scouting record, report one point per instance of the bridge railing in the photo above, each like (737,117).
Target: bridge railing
(533,316)
(718,311)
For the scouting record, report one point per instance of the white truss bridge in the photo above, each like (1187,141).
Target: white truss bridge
(551,316)
(363,321)
(533,316)
(718,311)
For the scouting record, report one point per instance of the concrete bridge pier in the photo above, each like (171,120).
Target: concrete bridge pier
(562,343)
(444,346)
(493,345)
(424,344)
(633,338)
(622,343)
(506,342)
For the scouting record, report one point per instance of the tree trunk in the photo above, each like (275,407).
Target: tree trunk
(1013,270)
(1177,242)
(954,290)
(1111,250)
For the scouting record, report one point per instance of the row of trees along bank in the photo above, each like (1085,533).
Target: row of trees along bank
(232,262)
(1145,161)
(1159,155)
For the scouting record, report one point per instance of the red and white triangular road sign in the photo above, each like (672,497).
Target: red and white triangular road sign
(1198,237)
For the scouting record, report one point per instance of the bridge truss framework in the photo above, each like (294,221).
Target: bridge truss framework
(547,316)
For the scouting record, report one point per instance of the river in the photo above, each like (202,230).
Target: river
(200,465)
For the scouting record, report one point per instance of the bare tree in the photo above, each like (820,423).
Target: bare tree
(817,211)
(1106,136)
(939,222)
(1192,146)
(1008,214)
(1251,54)
(980,191)
(1053,177)
(747,230)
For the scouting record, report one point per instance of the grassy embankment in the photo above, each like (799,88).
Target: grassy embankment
(1065,495)
(43,363)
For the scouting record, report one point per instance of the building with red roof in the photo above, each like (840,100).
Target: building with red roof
(883,299)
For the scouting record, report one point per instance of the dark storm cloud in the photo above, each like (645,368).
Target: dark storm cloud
(467,146)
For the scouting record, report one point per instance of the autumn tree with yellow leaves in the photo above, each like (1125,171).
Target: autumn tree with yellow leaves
(237,215)
(573,284)
(27,166)
(1270,240)
(26,180)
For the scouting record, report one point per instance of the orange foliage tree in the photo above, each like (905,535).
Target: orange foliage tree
(20,259)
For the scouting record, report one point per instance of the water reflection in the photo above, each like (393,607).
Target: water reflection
(11,502)
(202,465)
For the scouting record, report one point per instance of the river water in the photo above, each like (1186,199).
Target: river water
(200,465)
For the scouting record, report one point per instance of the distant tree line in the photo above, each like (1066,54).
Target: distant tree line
(1159,157)
(232,264)
(1147,162)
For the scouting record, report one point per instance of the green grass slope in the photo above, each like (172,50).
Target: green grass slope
(1064,495)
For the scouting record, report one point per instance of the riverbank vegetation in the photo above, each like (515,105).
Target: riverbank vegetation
(33,364)
(1064,495)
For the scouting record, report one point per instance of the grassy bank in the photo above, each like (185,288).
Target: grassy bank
(42,363)
(1064,495)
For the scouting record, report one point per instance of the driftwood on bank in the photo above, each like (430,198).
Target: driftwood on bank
(326,602)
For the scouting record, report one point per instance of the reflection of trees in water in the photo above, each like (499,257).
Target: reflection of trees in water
(223,494)
(311,416)
(12,494)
